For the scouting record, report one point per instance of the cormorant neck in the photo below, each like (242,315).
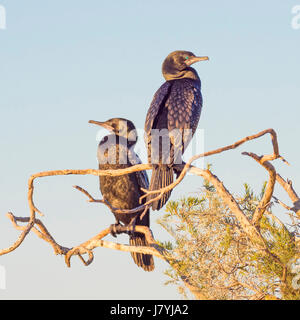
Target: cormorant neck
(129,140)
(189,73)
(131,143)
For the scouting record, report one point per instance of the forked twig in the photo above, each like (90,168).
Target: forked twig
(113,209)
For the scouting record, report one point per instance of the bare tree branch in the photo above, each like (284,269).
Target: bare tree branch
(96,241)
(282,204)
(185,169)
(113,209)
(288,187)
(229,200)
(43,233)
(251,228)
(261,208)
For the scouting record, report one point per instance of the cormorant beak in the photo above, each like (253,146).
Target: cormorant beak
(102,124)
(192,60)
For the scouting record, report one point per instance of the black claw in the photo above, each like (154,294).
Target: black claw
(118,228)
(114,229)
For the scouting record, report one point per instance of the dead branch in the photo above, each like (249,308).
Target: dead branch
(43,233)
(113,209)
(261,208)
(251,228)
(224,193)
(185,169)
(229,200)
(96,241)
(288,187)
(282,204)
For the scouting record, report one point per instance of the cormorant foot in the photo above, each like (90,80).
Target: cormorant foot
(130,228)
(118,228)
(114,229)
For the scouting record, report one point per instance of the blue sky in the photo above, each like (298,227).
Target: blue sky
(63,63)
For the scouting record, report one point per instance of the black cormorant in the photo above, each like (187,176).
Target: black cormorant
(116,151)
(176,106)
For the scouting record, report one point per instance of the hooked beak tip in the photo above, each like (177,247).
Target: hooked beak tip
(196,59)
(102,124)
(95,122)
(202,58)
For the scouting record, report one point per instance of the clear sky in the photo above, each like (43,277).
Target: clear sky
(63,63)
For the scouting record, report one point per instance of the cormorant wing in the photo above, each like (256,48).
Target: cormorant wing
(184,108)
(160,95)
(141,176)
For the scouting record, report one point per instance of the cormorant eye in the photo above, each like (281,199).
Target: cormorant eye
(186,57)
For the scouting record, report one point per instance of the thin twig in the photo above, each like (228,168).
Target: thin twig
(113,209)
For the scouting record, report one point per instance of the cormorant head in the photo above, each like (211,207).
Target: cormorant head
(120,127)
(177,65)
